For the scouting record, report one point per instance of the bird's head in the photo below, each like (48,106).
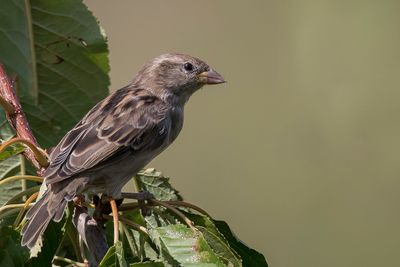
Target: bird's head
(178,75)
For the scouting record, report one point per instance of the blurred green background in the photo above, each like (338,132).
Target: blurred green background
(299,151)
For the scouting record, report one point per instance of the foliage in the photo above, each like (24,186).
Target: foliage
(59,57)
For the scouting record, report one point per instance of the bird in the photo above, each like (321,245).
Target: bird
(118,137)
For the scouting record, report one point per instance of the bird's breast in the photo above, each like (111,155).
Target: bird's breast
(176,123)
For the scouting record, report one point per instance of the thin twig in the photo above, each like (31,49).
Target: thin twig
(176,211)
(132,224)
(187,205)
(135,205)
(22,211)
(74,263)
(27,192)
(115,219)
(39,154)
(13,206)
(19,177)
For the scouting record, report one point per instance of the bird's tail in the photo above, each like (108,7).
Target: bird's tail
(50,206)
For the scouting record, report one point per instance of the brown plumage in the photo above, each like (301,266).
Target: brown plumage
(119,136)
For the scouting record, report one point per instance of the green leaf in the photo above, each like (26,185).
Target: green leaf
(119,251)
(249,256)
(160,217)
(221,248)
(137,245)
(114,256)
(147,264)
(181,245)
(10,151)
(156,183)
(225,243)
(109,259)
(215,239)
(9,167)
(17,197)
(11,252)
(59,55)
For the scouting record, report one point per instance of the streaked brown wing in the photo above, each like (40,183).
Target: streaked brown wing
(133,119)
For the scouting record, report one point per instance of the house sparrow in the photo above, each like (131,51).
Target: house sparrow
(119,136)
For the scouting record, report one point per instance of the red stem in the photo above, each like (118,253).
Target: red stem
(17,118)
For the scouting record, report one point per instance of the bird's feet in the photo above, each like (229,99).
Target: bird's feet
(102,206)
(142,197)
(78,200)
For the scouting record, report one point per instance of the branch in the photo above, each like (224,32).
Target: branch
(16,117)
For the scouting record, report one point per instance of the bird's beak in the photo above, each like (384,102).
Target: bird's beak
(210,77)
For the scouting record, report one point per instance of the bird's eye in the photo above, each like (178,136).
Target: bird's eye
(188,66)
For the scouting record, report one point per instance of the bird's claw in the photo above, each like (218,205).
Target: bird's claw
(78,200)
(142,197)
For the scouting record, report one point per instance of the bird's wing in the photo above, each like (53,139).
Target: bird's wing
(127,119)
